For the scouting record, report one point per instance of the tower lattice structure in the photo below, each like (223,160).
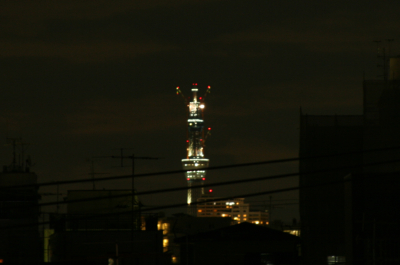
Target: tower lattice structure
(195,163)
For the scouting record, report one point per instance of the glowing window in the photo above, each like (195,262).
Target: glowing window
(336,260)
(165,243)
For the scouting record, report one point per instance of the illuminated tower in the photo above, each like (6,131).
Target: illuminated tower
(195,163)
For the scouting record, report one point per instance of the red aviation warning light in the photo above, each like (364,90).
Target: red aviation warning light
(208,87)
(210,190)
(209,128)
(203,178)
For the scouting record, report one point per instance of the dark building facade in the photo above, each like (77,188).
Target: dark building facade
(19,213)
(244,244)
(348,190)
(95,231)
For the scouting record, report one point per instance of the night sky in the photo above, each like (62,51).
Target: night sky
(81,79)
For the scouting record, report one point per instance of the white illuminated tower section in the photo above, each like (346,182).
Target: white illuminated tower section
(195,163)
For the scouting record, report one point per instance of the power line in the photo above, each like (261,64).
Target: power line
(210,168)
(195,203)
(227,182)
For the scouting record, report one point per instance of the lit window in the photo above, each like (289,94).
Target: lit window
(238,215)
(244,215)
(244,219)
(174,260)
(165,243)
(199,211)
(336,260)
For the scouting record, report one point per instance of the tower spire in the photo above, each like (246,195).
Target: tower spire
(195,162)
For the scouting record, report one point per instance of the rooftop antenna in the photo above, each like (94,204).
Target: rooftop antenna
(381,53)
(14,145)
(93,173)
(384,53)
(389,41)
(134,202)
(23,161)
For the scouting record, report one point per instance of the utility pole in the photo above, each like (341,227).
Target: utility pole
(135,221)
(133,157)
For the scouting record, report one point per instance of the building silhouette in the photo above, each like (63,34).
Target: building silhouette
(347,205)
(94,231)
(243,243)
(19,212)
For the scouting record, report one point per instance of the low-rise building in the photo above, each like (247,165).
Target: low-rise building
(235,208)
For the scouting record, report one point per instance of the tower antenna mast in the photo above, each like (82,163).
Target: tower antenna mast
(195,163)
